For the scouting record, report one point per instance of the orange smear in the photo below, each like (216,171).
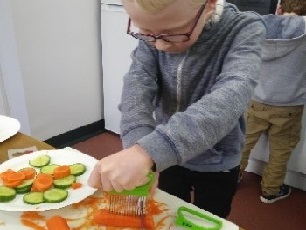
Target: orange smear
(32,224)
(161,224)
(76,185)
(32,215)
(31,219)
(155,208)
(90,202)
(105,218)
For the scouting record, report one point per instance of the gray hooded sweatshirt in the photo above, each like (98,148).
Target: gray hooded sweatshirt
(187,109)
(282,80)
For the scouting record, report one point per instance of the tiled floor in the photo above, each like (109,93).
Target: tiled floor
(247,209)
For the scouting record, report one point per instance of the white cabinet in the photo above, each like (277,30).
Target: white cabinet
(116,48)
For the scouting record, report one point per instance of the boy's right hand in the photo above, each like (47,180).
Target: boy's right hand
(124,170)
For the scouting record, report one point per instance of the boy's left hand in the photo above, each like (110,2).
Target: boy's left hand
(123,170)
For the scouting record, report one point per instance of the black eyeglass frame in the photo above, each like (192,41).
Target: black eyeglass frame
(162,36)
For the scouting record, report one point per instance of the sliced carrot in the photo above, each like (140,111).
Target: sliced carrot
(12,184)
(76,185)
(14,176)
(43,175)
(57,223)
(29,173)
(105,218)
(4,174)
(61,171)
(42,182)
(33,189)
(13,179)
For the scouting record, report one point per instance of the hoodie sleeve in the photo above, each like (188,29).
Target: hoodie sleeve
(138,94)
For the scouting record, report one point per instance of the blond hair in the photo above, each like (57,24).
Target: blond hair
(154,6)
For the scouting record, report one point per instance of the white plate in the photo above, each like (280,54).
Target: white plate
(8,127)
(61,157)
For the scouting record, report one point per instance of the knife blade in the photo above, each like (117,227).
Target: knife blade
(142,214)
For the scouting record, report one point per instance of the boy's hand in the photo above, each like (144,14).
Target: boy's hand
(124,170)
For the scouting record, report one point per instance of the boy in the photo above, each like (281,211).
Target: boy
(279,97)
(195,67)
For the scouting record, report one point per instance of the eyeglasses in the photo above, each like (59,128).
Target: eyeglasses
(166,37)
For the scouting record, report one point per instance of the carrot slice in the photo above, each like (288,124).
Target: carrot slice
(42,182)
(12,184)
(61,171)
(76,185)
(57,223)
(33,189)
(105,218)
(14,176)
(43,175)
(4,174)
(13,179)
(29,173)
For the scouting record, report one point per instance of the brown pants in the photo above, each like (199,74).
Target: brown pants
(283,125)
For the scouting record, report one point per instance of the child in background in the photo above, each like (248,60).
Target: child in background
(184,98)
(279,98)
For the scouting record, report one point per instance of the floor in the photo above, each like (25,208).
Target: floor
(247,210)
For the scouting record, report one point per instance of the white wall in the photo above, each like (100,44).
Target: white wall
(58,52)
(12,88)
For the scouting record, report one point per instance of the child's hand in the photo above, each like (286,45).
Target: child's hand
(124,170)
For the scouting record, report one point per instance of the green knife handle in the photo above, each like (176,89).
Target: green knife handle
(142,190)
(183,222)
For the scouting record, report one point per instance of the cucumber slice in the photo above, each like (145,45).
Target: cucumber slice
(48,169)
(34,198)
(40,161)
(7,194)
(77,169)
(65,182)
(24,187)
(55,195)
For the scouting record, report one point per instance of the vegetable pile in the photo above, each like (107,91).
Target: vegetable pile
(41,182)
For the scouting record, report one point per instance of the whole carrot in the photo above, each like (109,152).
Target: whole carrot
(105,218)
(57,223)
